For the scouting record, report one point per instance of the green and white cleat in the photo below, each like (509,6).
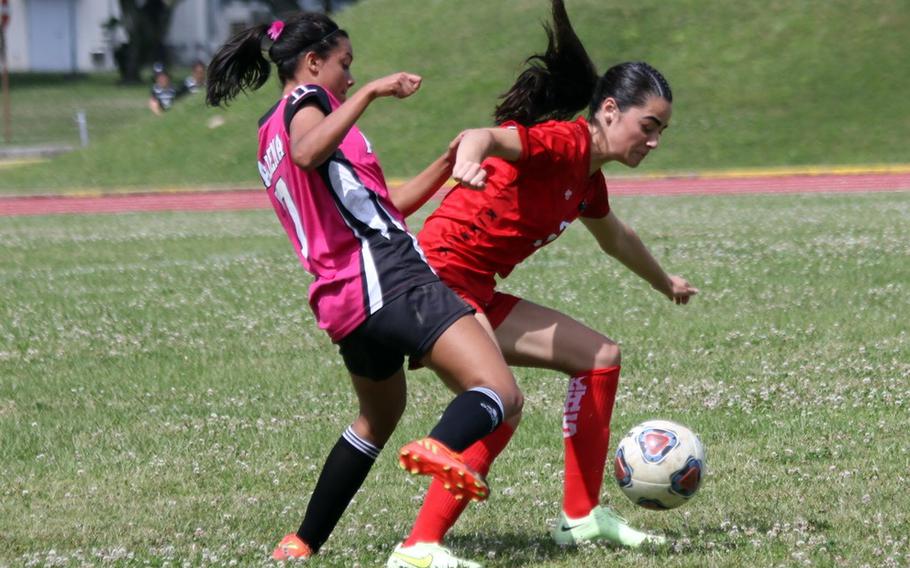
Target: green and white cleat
(426,555)
(601,524)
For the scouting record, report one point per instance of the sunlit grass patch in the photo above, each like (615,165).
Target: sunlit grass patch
(166,398)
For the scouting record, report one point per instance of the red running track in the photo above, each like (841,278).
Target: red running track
(242,199)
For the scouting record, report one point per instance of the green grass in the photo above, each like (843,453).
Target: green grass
(166,398)
(44,106)
(804,82)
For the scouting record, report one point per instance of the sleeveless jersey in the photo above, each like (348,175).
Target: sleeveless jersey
(339,218)
(525,204)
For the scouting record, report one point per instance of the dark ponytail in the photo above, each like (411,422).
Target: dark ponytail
(240,66)
(556,84)
(237,66)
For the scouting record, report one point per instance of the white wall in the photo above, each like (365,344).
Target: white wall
(16,38)
(190,25)
(90,37)
(198,28)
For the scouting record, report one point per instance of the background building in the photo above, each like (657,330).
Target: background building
(71,36)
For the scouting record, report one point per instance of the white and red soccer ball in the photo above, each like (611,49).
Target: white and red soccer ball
(660,464)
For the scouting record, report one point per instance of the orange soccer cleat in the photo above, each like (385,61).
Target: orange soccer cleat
(291,547)
(431,457)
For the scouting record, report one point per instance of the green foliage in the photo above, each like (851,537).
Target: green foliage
(166,397)
(803,82)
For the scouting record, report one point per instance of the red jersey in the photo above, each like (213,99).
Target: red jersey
(525,205)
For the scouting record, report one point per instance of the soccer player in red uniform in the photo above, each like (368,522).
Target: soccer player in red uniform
(373,291)
(521,184)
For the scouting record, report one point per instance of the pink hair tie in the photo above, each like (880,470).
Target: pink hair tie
(275,30)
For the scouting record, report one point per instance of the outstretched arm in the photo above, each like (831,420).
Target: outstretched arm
(315,136)
(462,161)
(410,196)
(622,243)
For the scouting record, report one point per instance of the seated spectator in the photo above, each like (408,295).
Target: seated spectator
(195,82)
(163,91)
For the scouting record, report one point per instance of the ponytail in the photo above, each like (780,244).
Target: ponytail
(556,84)
(240,65)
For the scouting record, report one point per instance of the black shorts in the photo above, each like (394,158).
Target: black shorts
(408,325)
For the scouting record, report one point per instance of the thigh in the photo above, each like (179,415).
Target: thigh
(465,356)
(536,336)
(484,322)
(365,356)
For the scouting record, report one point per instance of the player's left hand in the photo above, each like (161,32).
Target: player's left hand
(680,290)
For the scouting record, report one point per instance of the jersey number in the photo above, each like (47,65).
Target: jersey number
(284,197)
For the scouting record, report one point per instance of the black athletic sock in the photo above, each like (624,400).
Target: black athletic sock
(344,471)
(471,416)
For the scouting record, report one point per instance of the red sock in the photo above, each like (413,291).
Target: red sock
(586,433)
(440,509)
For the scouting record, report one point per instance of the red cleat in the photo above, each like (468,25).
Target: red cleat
(431,457)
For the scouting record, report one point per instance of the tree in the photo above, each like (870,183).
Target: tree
(146,23)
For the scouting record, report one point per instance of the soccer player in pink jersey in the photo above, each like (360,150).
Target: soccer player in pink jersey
(521,185)
(373,292)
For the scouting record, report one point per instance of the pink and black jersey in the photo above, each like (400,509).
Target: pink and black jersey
(339,219)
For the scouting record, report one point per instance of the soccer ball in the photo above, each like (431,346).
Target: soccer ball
(659,464)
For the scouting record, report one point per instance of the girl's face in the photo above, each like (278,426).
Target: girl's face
(633,133)
(334,71)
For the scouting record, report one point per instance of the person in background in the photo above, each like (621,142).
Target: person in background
(195,81)
(163,93)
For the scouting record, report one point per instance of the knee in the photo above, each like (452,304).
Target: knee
(514,421)
(607,355)
(513,401)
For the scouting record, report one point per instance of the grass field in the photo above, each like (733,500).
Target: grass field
(756,84)
(166,398)
(44,107)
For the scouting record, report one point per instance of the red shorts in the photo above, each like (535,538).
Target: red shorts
(477,289)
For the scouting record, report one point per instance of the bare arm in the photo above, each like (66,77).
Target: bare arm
(410,196)
(479,144)
(315,136)
(622,243)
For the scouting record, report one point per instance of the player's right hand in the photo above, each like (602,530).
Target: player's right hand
(398,85)
(469,173)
